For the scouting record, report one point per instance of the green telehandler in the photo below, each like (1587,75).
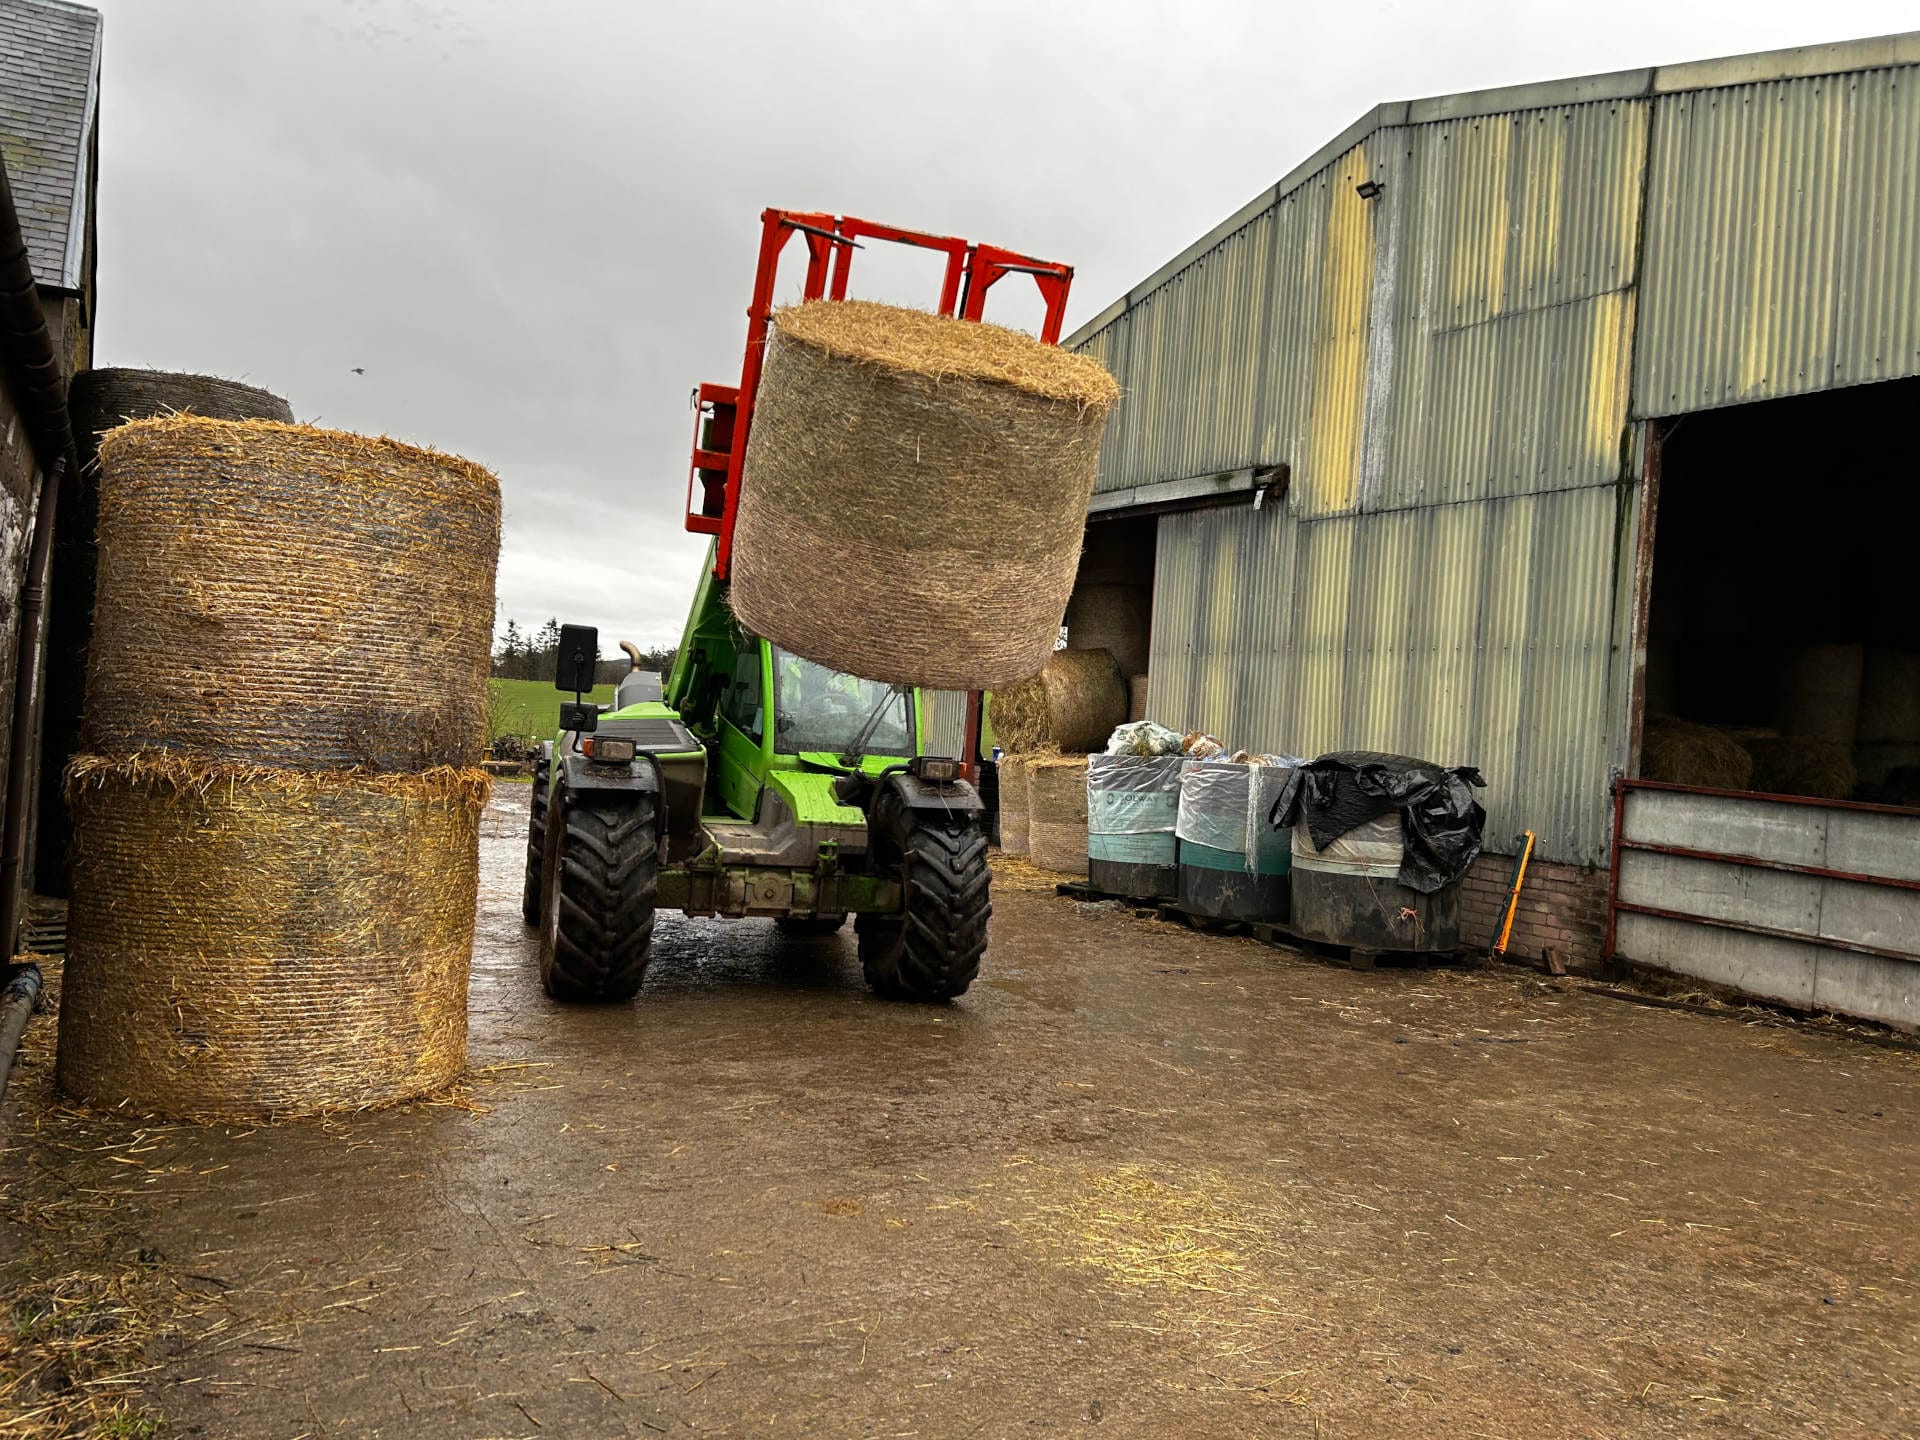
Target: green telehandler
(760,783)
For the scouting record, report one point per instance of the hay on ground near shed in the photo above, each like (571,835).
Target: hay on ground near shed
(1057,823)
(281,595)
(1793,766)
(1015,808)
(914,494)
(245,943)
(1071,706)
(1682,753)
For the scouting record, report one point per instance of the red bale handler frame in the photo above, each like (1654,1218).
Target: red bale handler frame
(725,412)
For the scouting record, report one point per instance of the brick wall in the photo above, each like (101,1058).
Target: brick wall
(1562,908)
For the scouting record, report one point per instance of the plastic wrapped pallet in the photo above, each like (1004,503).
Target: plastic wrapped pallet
(1233,864)
(1133,806)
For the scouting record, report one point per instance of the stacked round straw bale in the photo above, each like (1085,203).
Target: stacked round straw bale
(275,852)
(915,493)
(1072,705)
(1057,824)
(1015,806)
(99,401)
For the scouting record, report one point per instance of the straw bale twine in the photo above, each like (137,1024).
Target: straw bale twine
(1682,753)
(281,595)
(1821,697)
(1057,821)
(916,491)
(1793,765)
(1015,806)
(246,942)
(1072,705)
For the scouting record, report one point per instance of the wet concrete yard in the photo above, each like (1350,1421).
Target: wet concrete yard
(1137,1182)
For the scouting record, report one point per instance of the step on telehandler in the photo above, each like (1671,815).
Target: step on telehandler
(761,783)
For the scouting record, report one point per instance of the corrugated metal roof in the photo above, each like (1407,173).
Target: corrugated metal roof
(1780,241)
(49,76)
(1468,634)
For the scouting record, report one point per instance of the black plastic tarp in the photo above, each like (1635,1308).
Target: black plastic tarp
(1438,814)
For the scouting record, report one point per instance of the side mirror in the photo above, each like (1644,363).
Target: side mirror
(576,659)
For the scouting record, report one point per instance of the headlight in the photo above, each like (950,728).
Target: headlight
(935,771)
(607,749)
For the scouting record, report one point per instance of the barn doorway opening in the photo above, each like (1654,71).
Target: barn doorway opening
(1112,603)
(1783,621)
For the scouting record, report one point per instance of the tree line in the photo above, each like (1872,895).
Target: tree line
(530,654)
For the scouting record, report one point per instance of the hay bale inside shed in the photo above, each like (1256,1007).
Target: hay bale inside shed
(915,491)
(1072,705)
(281,595)
(245,943)
(1682,753)
(1057,819)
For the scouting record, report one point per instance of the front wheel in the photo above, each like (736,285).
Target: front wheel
(536,835)
(597,899)
(932,951)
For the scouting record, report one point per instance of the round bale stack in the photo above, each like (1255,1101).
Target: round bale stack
(1057,826)
(276,833)
(915,493)
(99,401)
(1072,705)
(1015,807)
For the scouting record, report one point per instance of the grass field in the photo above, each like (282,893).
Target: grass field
(528,707)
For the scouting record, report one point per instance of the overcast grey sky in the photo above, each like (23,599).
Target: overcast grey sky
(533,222)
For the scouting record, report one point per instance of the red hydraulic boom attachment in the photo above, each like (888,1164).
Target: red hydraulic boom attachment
(725,412)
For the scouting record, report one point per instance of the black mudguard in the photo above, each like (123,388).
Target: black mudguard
(903,791)
(581,776)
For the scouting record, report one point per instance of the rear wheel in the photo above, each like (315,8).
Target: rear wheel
(536,836)
(802,926)
(597,912)
(932,951)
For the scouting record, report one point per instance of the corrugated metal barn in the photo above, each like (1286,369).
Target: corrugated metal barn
(1384,476)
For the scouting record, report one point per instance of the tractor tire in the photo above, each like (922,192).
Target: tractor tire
(536,836)
(932,951)
(602,860)
(801,927)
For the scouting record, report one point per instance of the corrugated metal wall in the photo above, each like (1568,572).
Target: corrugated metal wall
(944,723)
(1449,372)
(1783,224)
(1472,634)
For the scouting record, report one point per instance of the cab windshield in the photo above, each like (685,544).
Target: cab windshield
(823,710)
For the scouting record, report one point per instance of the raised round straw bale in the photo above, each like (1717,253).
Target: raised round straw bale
(1015,807)
(1072,705)
(1682,753)
(1057,822)
(915,492)
(245,943)
(280,595)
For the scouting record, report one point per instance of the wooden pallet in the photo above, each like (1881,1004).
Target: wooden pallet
(1087,893)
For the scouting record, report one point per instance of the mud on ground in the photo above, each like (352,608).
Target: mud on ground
(1137,1182)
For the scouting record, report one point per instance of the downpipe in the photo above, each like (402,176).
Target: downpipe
(41,387)
(17,1004)
(26,684)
